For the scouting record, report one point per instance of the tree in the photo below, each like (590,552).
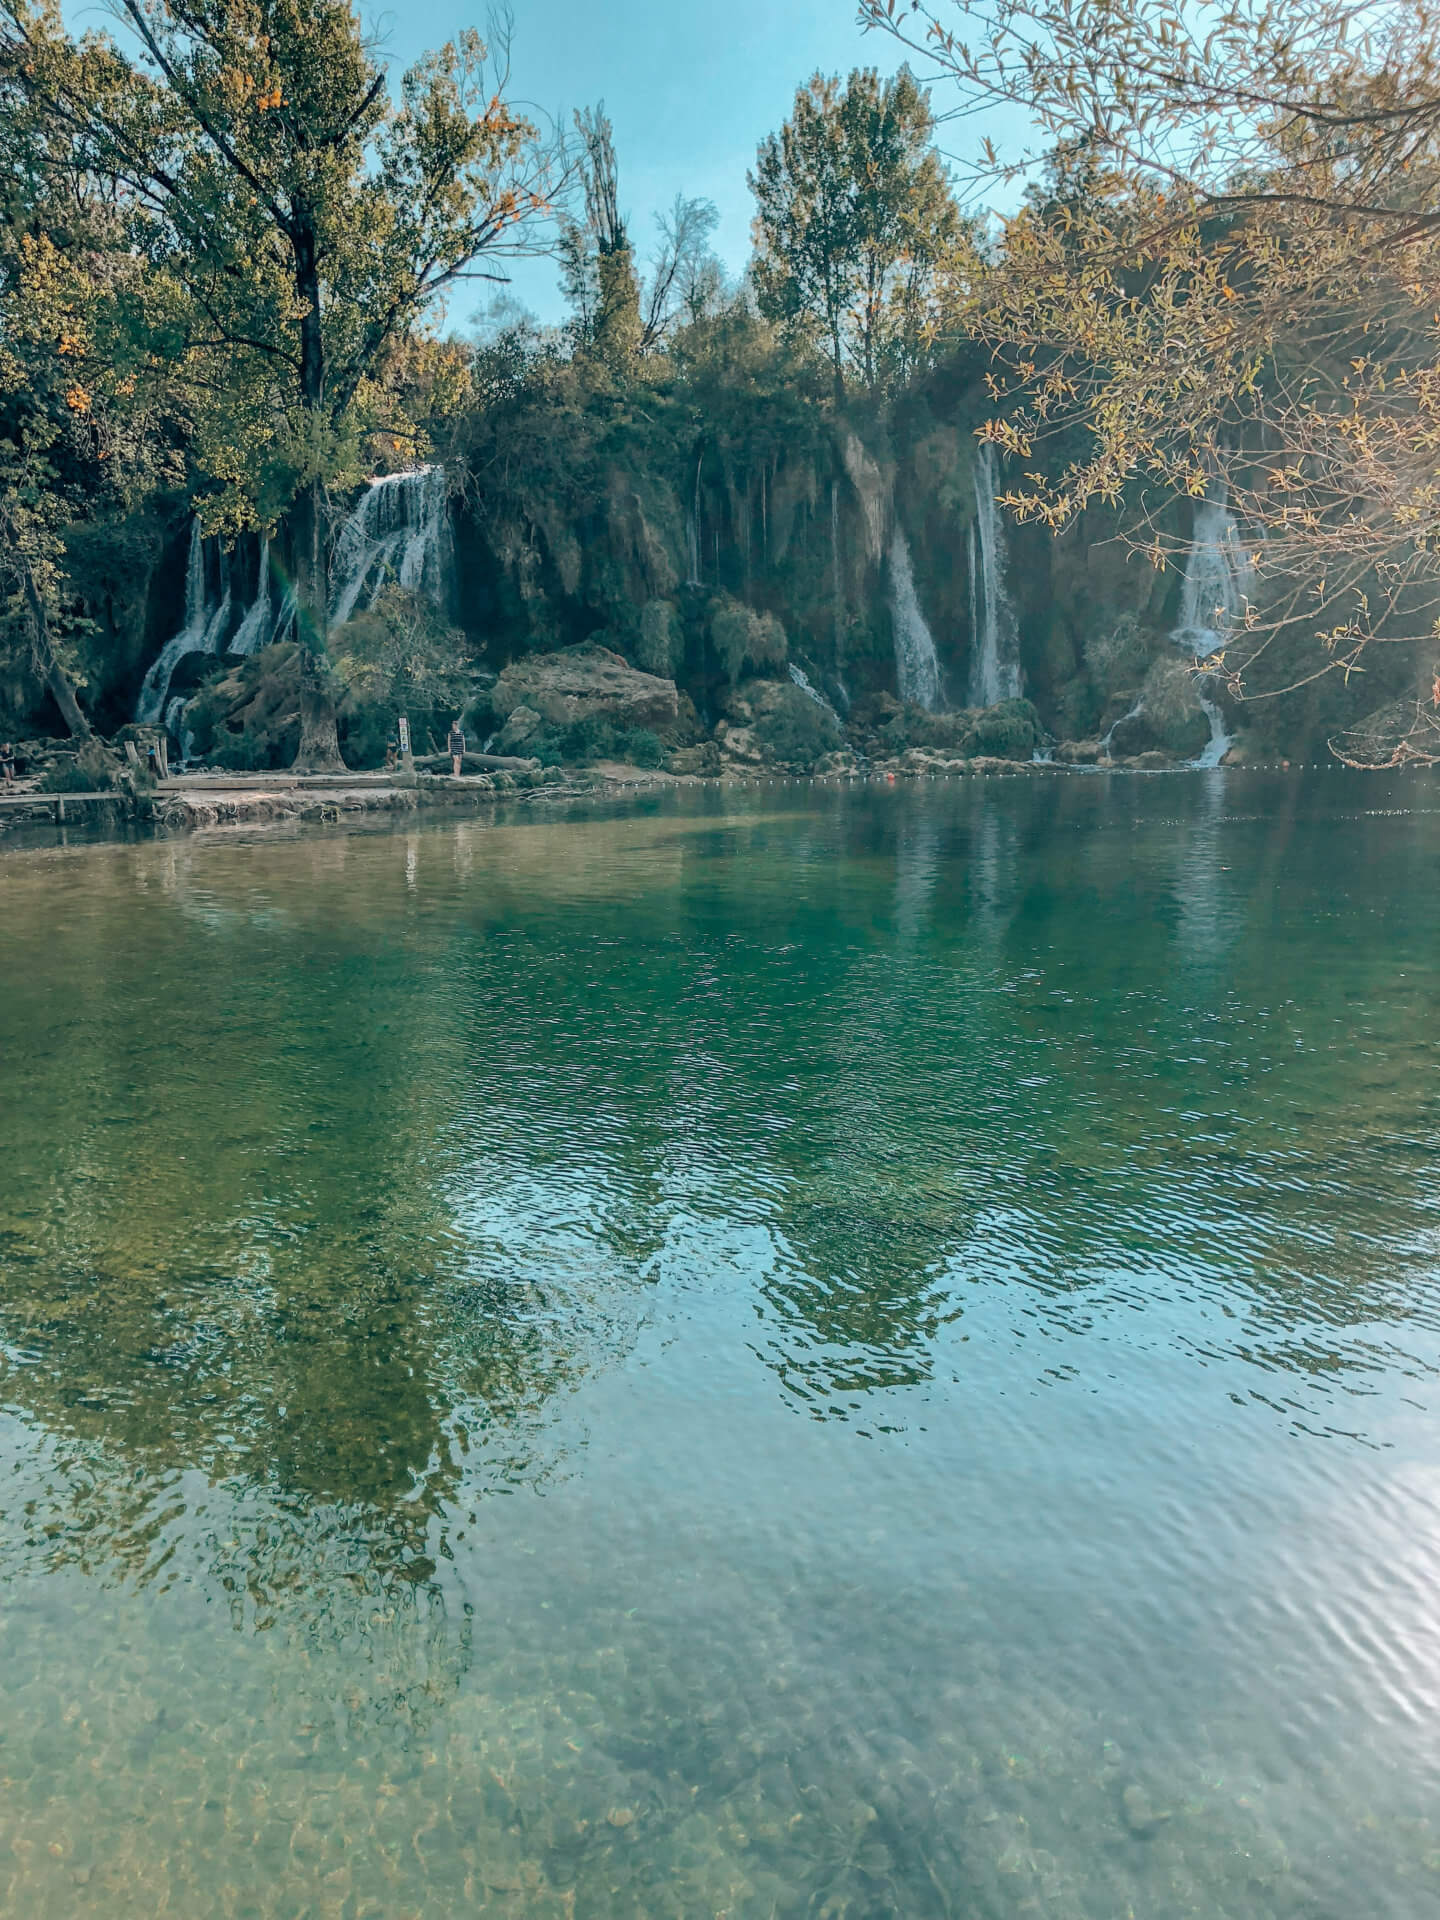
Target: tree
(84,422)
(685,277)
(1241,297)
(308,222)
(856,230)
(616,315)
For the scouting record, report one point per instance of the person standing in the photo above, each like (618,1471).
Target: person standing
(456,746)
(7,762)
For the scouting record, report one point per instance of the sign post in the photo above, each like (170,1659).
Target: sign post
(407,759)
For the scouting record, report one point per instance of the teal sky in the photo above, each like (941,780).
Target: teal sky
(692,90)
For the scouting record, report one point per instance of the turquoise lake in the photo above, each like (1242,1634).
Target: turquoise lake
(790,1351)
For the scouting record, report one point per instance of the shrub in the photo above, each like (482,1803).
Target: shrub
(794,730)
(1010,730)
(594,738)
(91,771)
(741,637)
(644,748)
(1118,658)
(249,718)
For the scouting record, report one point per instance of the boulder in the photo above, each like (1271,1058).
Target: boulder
(704,759)
(1078,753)
(776,723)
(562,689)
(522,725)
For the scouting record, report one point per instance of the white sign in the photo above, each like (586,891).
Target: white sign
(404,735)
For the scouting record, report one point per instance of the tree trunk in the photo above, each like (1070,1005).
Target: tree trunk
(319,750)
(49,668)
(312,581)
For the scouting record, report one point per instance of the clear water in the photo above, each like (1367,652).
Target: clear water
(810,1352)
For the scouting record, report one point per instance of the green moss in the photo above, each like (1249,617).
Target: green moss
(744,638)
(1010,730)
(659,644)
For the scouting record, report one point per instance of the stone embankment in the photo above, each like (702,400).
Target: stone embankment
(206,799)
(214,800)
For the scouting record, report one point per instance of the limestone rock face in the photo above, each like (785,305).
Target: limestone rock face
(563,688)
(522,725)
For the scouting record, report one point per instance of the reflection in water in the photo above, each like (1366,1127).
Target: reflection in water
(860,1355)
(1211,914)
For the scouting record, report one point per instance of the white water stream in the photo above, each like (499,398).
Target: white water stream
(254,630)
(202,632)
(812,692)
(917,668)
(994,630)
(399,531)
(1212,601)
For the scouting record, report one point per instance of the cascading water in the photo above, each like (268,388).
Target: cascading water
(1109,733)
(398,532)
(202,632)
(802,680)
(692,532)
(994,630)
(873,491)
(1212,599)
(917,669)
(254,630)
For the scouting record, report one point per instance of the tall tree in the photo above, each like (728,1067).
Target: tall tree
(616,313)
(84,390)
(856,229)
(308,220)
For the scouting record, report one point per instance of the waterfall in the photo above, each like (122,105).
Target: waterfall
(254,630)
(874,492)
(802,680)
(1216,570)
(1109,733)
(1212,600)
(201,633)
(1219,743)
(399,531)
(994,630)
(917,670)
(692,531)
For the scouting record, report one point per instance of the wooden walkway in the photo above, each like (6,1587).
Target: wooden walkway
(59,807)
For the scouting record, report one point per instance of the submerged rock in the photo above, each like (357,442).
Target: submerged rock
(1140,1816)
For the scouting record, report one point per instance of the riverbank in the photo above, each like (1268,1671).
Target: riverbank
(208,798)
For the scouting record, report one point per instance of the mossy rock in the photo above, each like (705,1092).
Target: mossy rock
(248,720)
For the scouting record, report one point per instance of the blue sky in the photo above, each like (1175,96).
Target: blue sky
(691,90)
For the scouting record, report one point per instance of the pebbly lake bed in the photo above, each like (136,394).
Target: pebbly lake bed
(835,1352)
